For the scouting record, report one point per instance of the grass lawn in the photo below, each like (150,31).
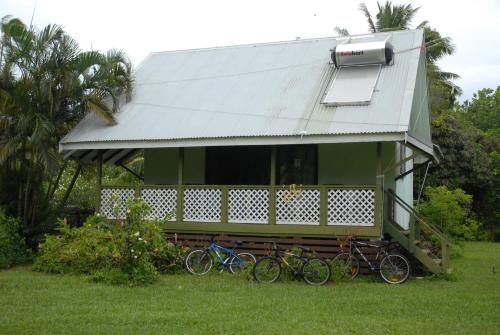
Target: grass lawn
(35,303)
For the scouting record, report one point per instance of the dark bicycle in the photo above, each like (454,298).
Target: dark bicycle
(393,267)
(312,270)
(201,261)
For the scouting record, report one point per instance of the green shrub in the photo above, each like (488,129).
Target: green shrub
(450,211)
(13,249)
(169,258)
(113,276)
(80,250)
(132,250)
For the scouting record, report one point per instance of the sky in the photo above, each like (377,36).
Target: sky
(141,27)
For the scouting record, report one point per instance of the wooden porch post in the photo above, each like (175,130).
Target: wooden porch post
(180,181)
(379,190)
(272,187)
(99,181)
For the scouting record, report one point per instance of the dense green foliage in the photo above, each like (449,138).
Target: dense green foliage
(47,84)
(13,250)
(131,251)
(225,304)
(450,211)
(483,110)
(471,155)
(84,192)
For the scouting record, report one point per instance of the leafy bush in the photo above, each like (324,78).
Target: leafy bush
(13,249)
(450,210)
(132,250)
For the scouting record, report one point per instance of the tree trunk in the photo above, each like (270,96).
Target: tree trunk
(20,200)
(53,186)
(26,198)
(70,187)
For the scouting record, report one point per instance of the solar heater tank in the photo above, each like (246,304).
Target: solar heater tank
(365,53)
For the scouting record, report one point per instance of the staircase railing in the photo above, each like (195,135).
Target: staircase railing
(420,231)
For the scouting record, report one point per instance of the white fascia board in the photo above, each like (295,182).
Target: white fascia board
(235,141)
(421,146)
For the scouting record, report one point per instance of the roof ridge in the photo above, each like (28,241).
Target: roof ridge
(301,40)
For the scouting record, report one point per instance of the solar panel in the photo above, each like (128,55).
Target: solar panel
(352,86)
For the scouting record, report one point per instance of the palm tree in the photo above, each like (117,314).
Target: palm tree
(390,17)
(399,17)
(47,84)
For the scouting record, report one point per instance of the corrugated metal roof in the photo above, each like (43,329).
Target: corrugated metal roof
(271,89)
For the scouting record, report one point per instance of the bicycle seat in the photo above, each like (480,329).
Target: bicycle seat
(307,249)
(238,243)
(273,244)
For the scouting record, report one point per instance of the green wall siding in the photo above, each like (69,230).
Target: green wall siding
(351,163)
(194,165)
(160,166)
(342,164)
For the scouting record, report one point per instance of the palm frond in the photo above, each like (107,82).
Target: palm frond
(87,60)
(394,17)
(97,106)
(341,31)
(368,15)
(7,150)
(422,24)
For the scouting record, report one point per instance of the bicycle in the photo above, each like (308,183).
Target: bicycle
(201,261)
(393,268)
(312,270)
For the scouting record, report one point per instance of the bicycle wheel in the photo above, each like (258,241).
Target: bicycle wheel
(199,262)
(394,269)
(344,266)
(266,270)
(315,271)
(242,262)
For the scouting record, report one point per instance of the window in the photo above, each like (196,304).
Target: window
(297,164)
(238,165)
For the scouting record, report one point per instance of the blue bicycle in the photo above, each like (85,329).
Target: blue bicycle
(201,261)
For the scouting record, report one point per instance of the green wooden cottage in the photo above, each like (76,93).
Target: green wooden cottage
(313,137)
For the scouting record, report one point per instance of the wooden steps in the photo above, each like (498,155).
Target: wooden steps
(436,261)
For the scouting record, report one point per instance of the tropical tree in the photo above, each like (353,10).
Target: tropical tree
(390,17)
(470,160)
(400,17)
(47,84)
(483,110)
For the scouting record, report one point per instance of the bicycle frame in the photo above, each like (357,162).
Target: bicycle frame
(354,249)
(216,248)
(281,255)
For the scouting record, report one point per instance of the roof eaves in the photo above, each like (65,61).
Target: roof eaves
(236,141)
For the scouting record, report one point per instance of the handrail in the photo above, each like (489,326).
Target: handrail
(328,186)
(233,204)
(417,216)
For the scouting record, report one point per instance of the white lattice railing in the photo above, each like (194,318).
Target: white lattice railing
(298,206)
(351,207)
(113,201)
(248,206)
(202,205)
(162,202)
(343,206)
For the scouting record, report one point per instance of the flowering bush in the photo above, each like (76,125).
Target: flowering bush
(132,250)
